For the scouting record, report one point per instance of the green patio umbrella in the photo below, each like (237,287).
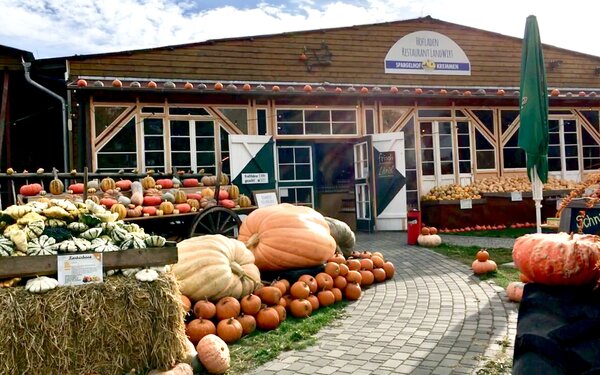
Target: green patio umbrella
(533,131)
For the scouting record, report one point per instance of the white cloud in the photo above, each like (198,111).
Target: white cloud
(51,28)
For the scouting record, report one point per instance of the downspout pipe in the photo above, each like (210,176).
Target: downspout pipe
(26,67)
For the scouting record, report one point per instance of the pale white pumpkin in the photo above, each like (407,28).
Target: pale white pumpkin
(41,284)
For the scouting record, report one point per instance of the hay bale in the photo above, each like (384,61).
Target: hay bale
(108,328)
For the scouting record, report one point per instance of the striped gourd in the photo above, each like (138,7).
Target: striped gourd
(6,247)
(119,234)
(91,233)
(34,229)
(56,186)
(244,201)
(103,245)
(43,245)
(234,192)
(155,241)
(133,242)
(77,227)
(107,183)
(180,196)
(56,223)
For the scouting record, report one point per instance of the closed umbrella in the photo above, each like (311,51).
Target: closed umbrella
(533,132)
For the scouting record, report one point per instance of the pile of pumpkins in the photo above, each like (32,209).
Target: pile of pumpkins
(231,318)
(482,263)
(429,237)
(150,196)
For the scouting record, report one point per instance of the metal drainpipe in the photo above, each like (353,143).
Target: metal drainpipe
(26,67)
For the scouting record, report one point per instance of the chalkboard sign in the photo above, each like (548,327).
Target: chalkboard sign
(386,164)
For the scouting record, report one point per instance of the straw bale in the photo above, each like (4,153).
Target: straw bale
(105,328)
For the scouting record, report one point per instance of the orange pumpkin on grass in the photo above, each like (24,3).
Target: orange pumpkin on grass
(285,236)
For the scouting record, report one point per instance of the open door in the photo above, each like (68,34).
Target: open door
(252,162)
(389,181)
(362,185)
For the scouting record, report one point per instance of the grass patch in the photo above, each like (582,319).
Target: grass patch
(466,255)
(293,334)
(501,364)
(501,233)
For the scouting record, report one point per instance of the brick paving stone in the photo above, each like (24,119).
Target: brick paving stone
(434,317)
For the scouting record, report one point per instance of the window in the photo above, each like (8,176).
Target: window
(316,122)
(390,117)
(261,117)
(445,147)
(370,121)
(591,151)
(361,161)
(435,113)
(154,146)
(226,166)
(410,156)
(514,157)
(104,117)
(485,154)
(205,146)
(298,195)
(507,117)
(188,111)
(565,132)
(464,147)
(592,117)
(238,117)
(120,152)
(363,203)
(181,147)
(427,159)
(486,117)
(295,163)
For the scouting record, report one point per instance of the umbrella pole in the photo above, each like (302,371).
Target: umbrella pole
(536,190)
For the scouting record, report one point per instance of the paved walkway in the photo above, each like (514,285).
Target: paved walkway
(434,317)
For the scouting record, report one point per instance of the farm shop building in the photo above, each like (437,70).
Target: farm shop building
(357,122)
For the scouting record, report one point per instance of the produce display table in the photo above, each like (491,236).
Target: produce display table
(493,209)
(558,331)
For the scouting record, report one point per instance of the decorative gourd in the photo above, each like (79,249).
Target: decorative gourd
(429,240)
(149,211)
(214,266)
(165,183)
(103,245)
(244,201)
(148,182)
(208,193)
(166,207)
(137,193)
(176,182)
(76,188)
(134,211)
(227,203)
(514,291)
(120,209)
(342,234)
(93,184)
(41,284)
(234,191)
(108,202)
(6,247)
(151,200)
(190,182)
(284,236)
(180,196)
(147,275)
(223,194)
(56,186)
(480,267)
(183,208)
(133,242)
(169,197)
(208,181)
(557,258)
(224,179)
(155,241)
(30,189)
(124,185)
(119,234)
(107,183)
(43,245)
(214,354)
(34,229)
(194,204)
(91,234)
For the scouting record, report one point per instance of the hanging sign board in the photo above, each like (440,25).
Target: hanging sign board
(255,178)
(79,269)
(427,52)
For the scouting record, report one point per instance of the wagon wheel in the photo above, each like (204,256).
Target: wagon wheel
(216,220)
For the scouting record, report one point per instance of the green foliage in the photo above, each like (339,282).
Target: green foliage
(59,234)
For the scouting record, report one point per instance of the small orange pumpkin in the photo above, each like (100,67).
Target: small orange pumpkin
(198,328)
(301,308)
(227,307)
(267,319)
(250,304)
(269,295)
(34,189)
(352,291)
(248,323)
(205,309)
(230,330)
(166,207)
(326,298)
(300,289)
(514,291)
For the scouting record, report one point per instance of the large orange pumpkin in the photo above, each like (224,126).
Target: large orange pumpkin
(285,236)
(557,258)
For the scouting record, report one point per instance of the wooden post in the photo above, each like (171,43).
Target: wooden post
(85,183)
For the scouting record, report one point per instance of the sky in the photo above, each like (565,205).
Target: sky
(53,28)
